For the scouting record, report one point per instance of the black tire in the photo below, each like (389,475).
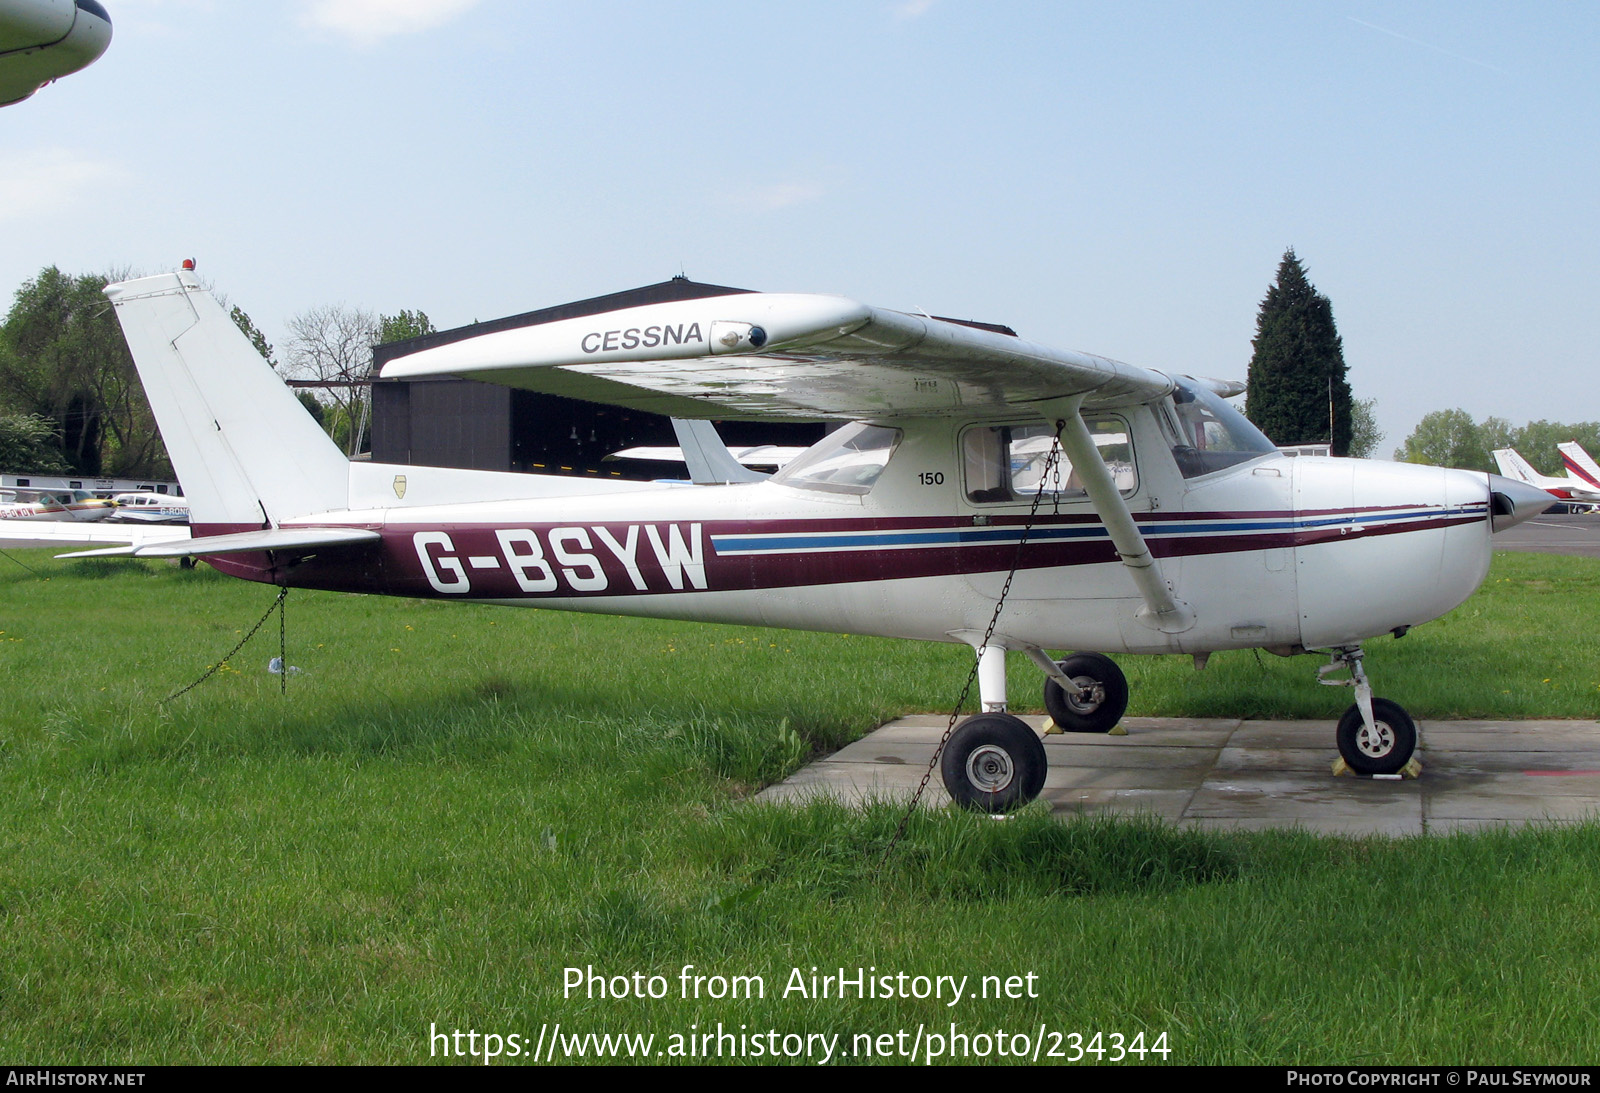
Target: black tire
(1393,746)
(993,763)
(1099,713)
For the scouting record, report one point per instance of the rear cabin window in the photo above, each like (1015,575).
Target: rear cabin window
(1007,463)
(848,460)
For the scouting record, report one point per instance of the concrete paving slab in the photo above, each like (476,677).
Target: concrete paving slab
(1184,778)
(1571,760)
(1252,775)
(1168,805)
(1110,752)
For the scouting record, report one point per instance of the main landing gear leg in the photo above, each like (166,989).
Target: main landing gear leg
(994,762)
(1375,736)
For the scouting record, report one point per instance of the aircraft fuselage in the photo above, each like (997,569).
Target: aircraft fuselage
(1274,552)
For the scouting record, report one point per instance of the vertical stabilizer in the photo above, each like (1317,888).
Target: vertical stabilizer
(1580,464)
(707,457)
(248,454)
(1512,465)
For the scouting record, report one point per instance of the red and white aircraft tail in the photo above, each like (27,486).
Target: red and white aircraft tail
(1580,464)
(1575,487)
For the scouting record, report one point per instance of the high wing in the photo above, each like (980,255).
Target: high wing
(783,356)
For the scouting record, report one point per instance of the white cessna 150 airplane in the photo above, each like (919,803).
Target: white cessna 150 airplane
(1162,523)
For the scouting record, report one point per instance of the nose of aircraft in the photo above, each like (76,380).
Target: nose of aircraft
(1511,502)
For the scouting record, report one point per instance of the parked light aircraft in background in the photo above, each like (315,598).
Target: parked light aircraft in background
(28,503)
(1573,488)
(31,505)
(43,40)
(1163,522)
(149,507)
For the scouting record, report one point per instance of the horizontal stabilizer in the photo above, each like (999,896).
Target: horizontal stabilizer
(243,542)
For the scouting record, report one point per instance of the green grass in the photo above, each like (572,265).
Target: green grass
(456,803)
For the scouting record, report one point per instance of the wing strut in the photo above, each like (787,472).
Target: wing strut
(1162,610)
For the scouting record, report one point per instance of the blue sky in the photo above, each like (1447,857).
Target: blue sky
(1118,178)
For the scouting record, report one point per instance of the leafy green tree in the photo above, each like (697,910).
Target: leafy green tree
(1450,438)
(1537,440)
(407,324)
(1447,438)
(318,412)
(1497,432)
(257,339)
(1298,366)
(63,357)
(28,445)
(1365,436)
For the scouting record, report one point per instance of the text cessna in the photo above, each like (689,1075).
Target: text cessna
(648,337)
(650,557)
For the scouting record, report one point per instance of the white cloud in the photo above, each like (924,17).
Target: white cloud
(779,195)
(45,181)
(365,22)
(912,9)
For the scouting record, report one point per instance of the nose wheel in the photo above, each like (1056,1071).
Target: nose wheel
(1383,747)
(1375,735)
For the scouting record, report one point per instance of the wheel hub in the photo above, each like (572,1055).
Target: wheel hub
(1087,700)
(1377,741)
(989,769)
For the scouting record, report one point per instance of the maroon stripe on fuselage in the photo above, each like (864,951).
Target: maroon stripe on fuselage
(681,557)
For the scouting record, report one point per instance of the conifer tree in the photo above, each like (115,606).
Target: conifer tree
(1298,365)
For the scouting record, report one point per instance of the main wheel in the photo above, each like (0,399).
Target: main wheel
(1384,749)
(993,763)
(1101,708)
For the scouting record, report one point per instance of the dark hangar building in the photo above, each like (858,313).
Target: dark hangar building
(453,422)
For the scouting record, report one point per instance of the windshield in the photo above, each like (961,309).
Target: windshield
(1213,434)
(848,460)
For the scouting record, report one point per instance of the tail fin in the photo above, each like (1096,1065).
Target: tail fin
(1580,464)
(1514,466)
(246,451)
(707,457)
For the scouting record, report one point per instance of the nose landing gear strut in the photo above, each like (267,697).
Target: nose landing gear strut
(1375,736)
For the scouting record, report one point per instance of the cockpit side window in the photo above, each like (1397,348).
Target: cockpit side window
(1007,463)
(1212,434)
